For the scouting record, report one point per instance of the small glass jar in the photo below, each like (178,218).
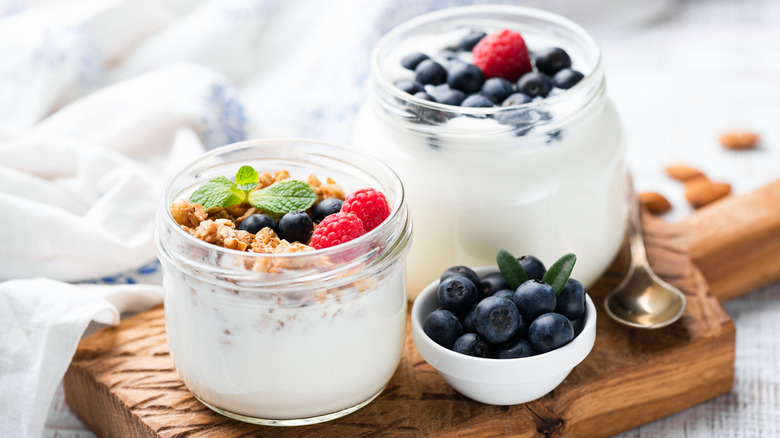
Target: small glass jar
(286,339)
(543,178)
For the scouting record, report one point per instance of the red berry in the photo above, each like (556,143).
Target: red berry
(502,55)
(369,205)
(337,228)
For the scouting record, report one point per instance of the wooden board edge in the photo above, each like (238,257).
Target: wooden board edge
(101,411)
(688,392)
(735,234)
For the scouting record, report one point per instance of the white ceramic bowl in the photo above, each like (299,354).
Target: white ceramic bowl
(501,381)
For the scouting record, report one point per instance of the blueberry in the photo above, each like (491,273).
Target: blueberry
(429,115)
(522,330)
(522,119)
(457,294)
(477,101)
(555,135)
(326,207)
(448,96)
(550,331)
(534,84)
(505,293)
(430,72)
(472,345)
(468,322)
(409,86)
(491,284)
(443,327)
(470,40)
(424,96)
(496,319)
(497,89)
(567,78)
(571,300)
(515,348)
(412,60)
(533,267)
(516,99)
(534,298)
(465,77)
(552,60)
(296,226)
(257,222)
(463,271)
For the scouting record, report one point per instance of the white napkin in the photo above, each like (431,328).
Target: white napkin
(56,53)
(82,162)
(97,168)
(41,322)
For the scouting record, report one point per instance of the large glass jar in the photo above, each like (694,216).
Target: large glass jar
(543,178)
(286,338)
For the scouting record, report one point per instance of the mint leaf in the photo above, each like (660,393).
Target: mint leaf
(218,192)
(246,178)
(511,269)
(559,272)
(283,197)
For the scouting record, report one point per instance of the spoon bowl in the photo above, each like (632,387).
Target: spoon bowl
(645,301)
(642,300)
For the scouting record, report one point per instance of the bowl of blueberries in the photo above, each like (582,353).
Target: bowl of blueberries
(505,334)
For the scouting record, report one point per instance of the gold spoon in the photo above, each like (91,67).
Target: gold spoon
(642,300)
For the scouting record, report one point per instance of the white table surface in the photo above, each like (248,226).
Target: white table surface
(679,81)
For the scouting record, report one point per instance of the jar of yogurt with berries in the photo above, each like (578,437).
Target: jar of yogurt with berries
(284,285)
(497,120)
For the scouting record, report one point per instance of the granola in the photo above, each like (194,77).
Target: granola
(187,214)
(218,225)
(327,190)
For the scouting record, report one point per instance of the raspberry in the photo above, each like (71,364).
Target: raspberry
(337,228)
(369,205)
(502,55)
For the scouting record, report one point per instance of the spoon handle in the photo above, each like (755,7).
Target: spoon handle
(638,254)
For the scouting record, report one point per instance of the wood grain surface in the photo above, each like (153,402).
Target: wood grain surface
(122,382)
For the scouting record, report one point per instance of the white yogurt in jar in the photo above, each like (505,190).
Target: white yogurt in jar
(291,338)
(244,355)
(474,185)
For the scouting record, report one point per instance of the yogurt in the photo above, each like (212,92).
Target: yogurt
(294,338)
(550,185)
(246,355)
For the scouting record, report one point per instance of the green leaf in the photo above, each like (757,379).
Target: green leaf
(283,197)
(511,269)
(559,272)
(246,178)
(218,192)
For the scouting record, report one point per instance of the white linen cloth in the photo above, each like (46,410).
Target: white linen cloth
(101,100)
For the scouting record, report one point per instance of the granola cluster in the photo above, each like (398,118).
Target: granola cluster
(218,225)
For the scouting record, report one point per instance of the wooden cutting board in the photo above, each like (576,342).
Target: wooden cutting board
(122,382)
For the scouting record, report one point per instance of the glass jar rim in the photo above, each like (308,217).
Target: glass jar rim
(396,211)
(591,79)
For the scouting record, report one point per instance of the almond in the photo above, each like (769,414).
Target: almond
(681,172)
(701,191)
(655,203)
(739,140)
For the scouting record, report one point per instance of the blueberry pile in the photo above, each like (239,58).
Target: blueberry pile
(446,78)
(521,311)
